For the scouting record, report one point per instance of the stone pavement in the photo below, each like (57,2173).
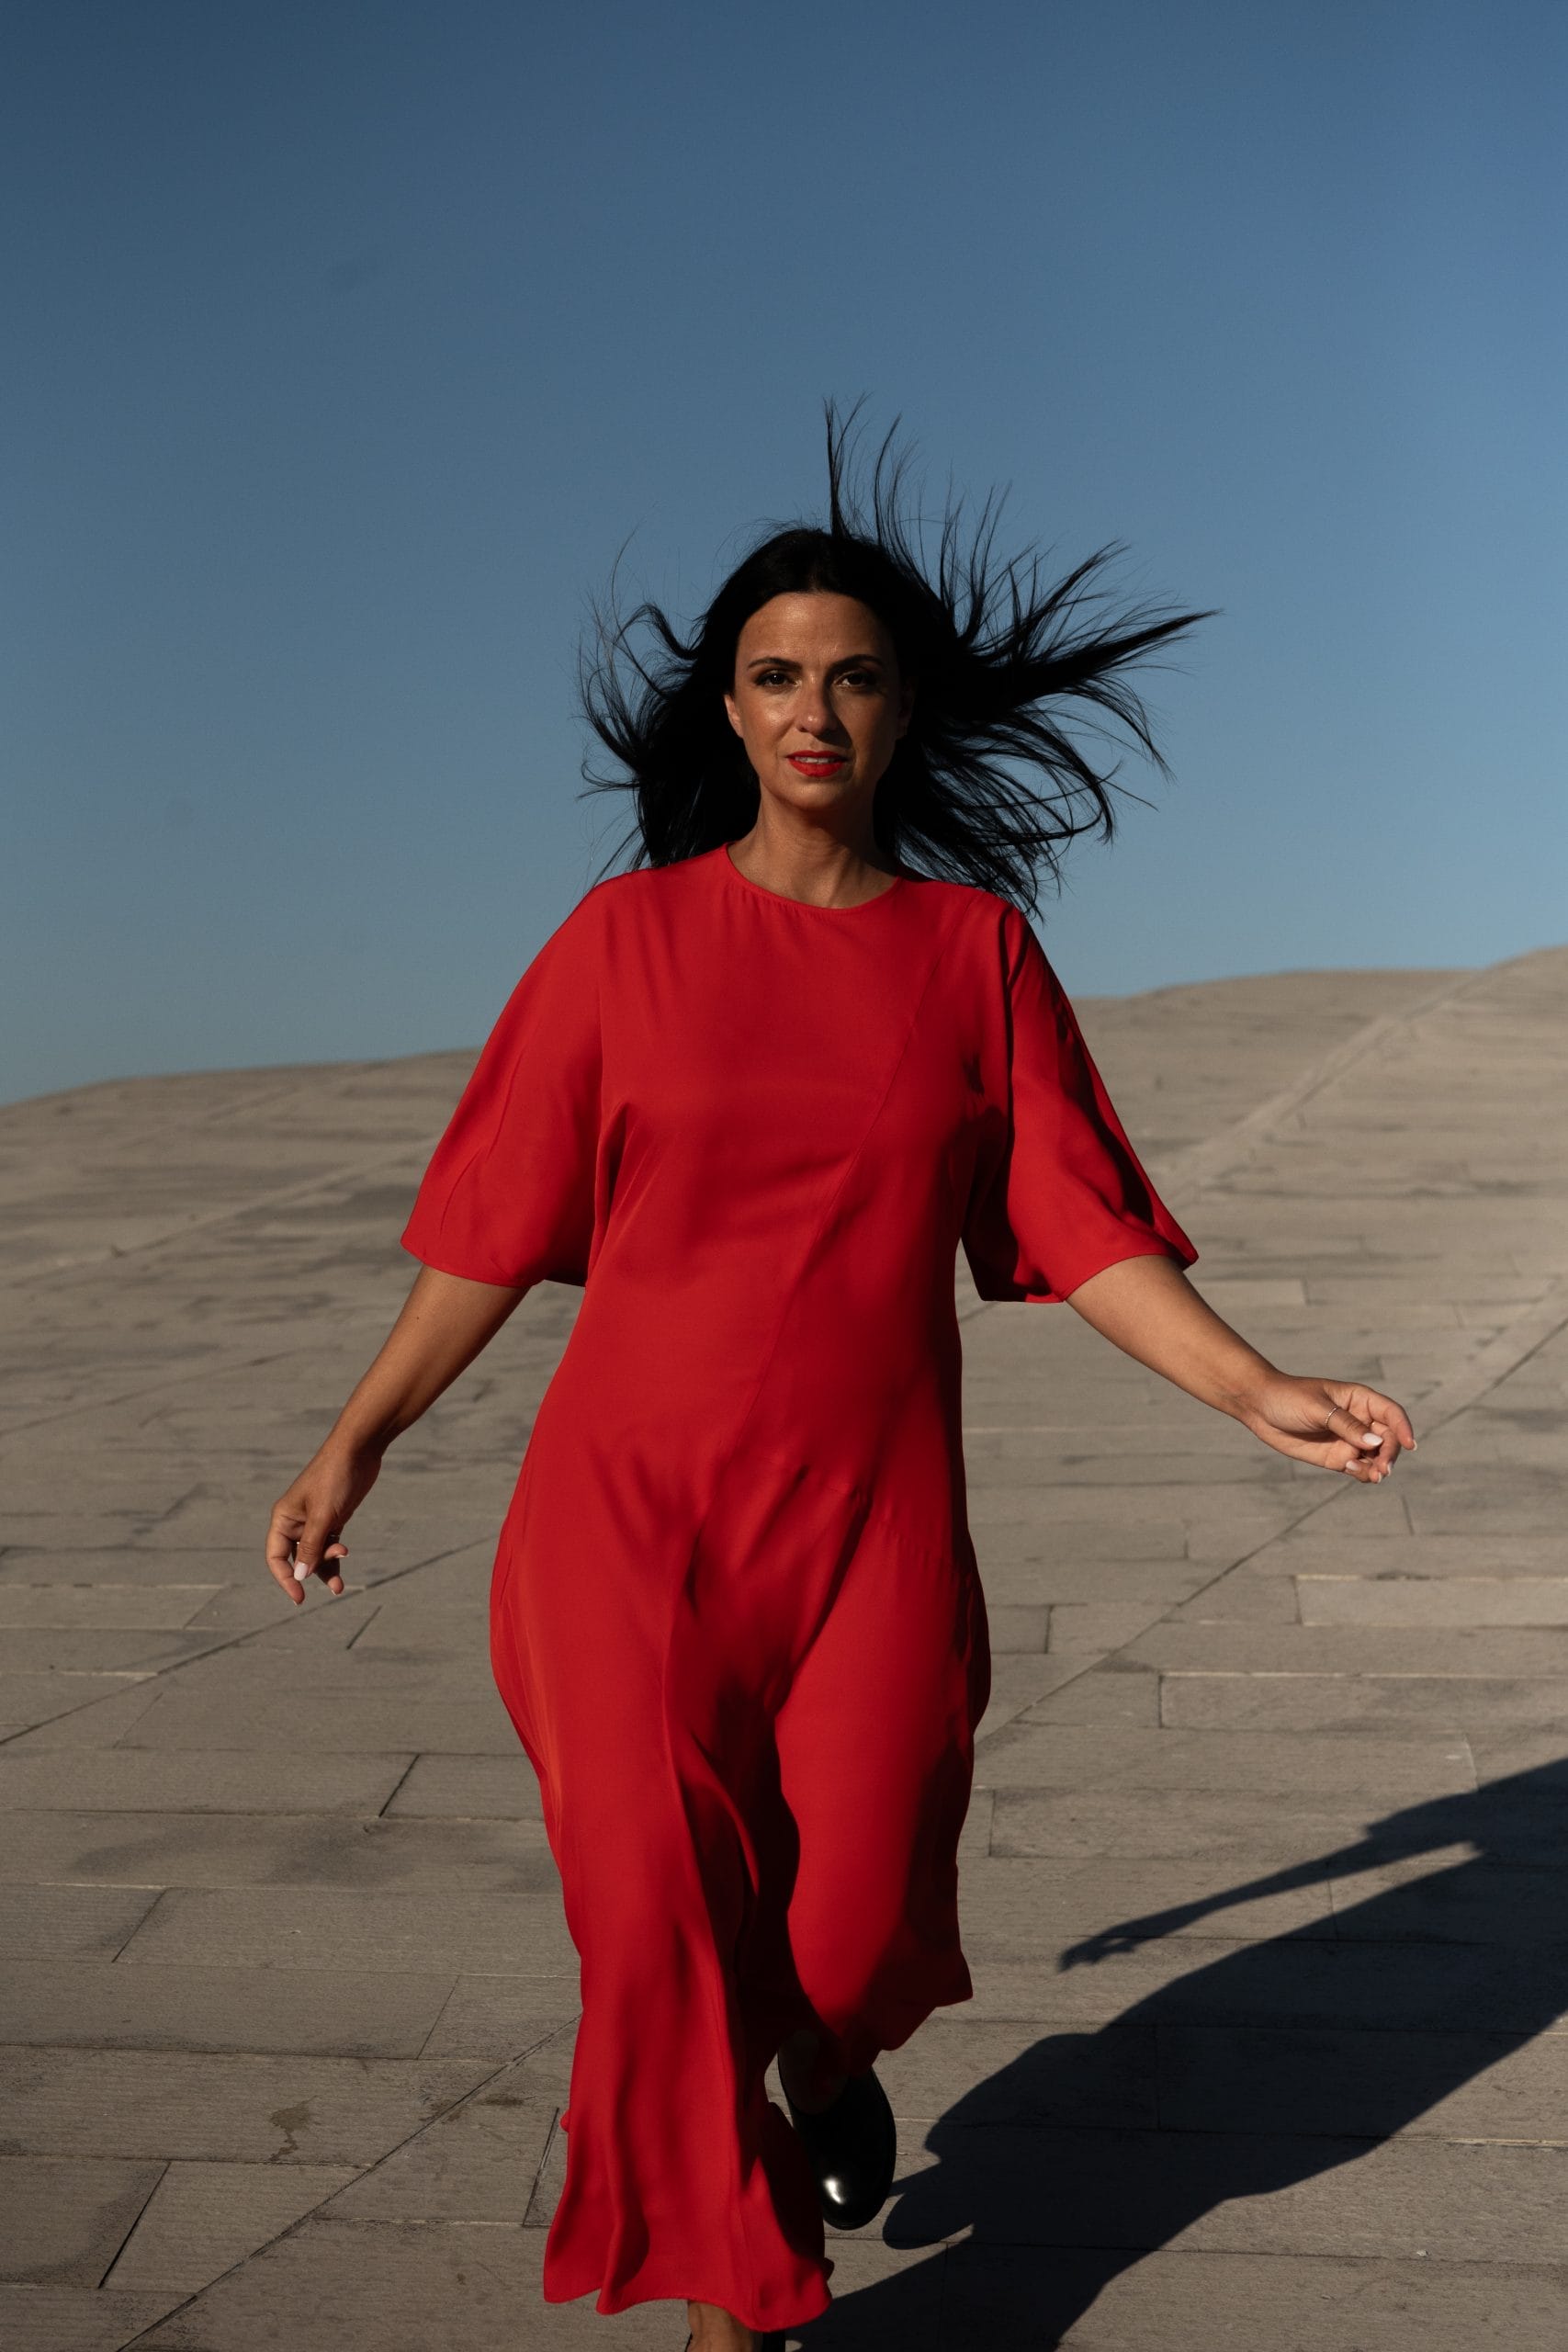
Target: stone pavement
(1265,1887)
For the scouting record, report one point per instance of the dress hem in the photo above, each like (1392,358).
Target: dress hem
(610,2300)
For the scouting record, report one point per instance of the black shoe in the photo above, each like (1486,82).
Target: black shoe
(853,2148)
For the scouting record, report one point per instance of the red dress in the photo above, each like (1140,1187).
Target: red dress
(736,1616)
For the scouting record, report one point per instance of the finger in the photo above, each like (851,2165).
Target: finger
(1384,1415)
(1367,1469)
(314,1554)
(1393,1434)
(1354,1428)
(325,1571)
(311,1545)
(1371,1450)
(280,1538)
(1343,1452)
(1393,1416)
(1321,1452)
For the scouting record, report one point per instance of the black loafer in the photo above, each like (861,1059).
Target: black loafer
(853,2148)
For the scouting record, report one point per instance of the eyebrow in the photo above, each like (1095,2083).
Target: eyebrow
(787,662)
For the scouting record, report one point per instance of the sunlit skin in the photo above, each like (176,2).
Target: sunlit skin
(820,704)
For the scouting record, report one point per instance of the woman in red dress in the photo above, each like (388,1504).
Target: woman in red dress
(753,1095)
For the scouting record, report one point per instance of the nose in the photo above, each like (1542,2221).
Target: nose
(814,714)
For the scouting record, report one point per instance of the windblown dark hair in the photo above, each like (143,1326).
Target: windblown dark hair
(991,780)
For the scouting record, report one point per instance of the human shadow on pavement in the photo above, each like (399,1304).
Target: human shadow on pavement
(1266,2067)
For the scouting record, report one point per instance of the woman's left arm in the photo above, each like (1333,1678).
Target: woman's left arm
(1146,1306)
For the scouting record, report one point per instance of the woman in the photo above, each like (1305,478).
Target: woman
(753,1094)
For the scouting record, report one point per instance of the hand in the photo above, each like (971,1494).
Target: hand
(306,1522)
(1145,1305)
(1339,1424)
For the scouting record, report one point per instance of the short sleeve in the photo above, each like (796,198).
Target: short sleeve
(508,1196)
(1065,1195)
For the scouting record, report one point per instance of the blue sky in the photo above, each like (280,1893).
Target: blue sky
(349,341)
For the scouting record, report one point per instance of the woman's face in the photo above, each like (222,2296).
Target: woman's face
(817,701)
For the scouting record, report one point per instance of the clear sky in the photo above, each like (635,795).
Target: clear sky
(349,340)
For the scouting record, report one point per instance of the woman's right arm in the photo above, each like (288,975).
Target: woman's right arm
(444,1322)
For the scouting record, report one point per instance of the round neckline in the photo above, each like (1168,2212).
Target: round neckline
(807,906)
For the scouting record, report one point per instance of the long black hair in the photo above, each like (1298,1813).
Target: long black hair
(988,784)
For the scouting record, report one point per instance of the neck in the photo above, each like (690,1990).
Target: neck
(804,861)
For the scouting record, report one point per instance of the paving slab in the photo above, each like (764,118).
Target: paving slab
(1519,1817)
(101,2004)
(1191,2302)
(1013,1907)
(72,1922)
(284,1722)
(344,1929)
(240,2109)
(84,1728)
(1061,1756)
(1461,2086)
(152,1850)
(1240,1598)
(99,1607)
(498,2016)
(1020,1682)
(1476,1901)
(479,2162)
(1308,1551)
(1080,1628)
(42,1650)
(1422,1600)
(390,2286)
(39,1698)
(78,2319)
(203,2217)
(1106,2080)
(1292,1981)
(1252,2193)
(1386,1705)
(130,1779)
(1103,1696)
(482,1788)
(66,2218)
(1510,1651)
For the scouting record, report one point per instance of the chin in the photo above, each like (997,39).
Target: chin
(815,792)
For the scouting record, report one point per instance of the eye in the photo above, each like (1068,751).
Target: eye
(771,678)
